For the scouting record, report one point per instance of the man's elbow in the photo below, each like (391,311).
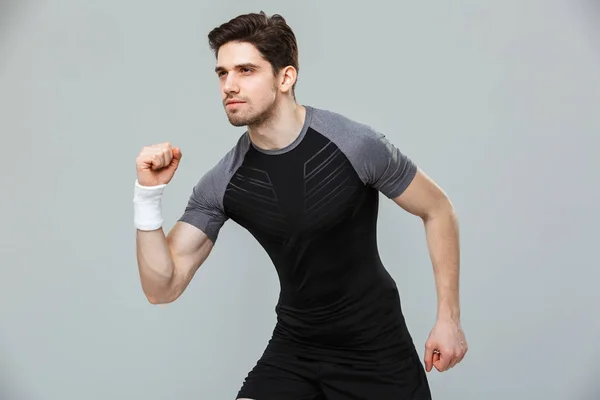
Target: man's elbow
(161,297)
(154,300)
(160,300)
(443,208)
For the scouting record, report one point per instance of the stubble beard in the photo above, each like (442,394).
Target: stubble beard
(250,119)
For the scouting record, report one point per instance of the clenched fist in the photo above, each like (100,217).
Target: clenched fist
(156,164)
(446,345)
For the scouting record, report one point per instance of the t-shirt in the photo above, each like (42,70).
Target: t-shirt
(313,206)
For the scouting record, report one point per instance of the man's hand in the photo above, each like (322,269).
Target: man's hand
(446,346)
(156,164)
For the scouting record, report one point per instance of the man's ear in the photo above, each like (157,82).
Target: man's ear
(288,76)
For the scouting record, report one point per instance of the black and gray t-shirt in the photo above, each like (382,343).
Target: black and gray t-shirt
(313,206)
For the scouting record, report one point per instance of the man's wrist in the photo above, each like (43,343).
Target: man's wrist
(147,206)
(448,314)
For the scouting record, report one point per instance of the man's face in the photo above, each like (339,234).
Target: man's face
(248,87)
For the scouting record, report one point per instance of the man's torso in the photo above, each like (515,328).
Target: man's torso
(313,206)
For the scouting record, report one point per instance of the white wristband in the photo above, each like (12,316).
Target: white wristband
(147,208)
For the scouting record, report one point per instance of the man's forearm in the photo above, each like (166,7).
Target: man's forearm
(155,263)
(442,235)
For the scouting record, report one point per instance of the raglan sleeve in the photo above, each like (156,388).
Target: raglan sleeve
(204,208)
(381,163)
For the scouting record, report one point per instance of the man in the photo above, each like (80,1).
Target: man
(305,182)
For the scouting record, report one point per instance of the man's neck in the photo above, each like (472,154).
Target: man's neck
(282,129)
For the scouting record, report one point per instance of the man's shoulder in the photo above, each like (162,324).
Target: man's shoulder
(224,168)
(233,156)
(339,127)
(329,116)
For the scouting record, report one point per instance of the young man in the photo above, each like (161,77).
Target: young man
(305,182)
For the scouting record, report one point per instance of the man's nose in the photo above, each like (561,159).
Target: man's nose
(230,85)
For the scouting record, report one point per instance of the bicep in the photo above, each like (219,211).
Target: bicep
(189,247)
(423,197)
(193,236)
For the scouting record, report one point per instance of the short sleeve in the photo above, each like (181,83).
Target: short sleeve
(376,160)
(204,209)
(383,165)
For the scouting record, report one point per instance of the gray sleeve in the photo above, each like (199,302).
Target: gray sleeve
(205,209)
(377,161)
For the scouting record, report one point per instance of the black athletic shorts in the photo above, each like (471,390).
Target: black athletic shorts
(289,377)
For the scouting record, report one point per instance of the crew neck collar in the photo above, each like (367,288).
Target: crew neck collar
(295,143)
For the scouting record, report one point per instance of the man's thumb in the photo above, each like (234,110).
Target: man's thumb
(177,153)
(428,358)
(176,156)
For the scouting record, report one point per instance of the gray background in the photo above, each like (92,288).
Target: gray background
(498,101)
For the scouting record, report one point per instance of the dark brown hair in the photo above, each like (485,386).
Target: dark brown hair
(271,36)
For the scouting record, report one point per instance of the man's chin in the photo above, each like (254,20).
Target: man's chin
(237,121)
(234,120)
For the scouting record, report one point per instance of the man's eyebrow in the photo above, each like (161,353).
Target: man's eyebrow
(219,68)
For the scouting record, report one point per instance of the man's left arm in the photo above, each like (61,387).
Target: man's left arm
(383,166)
(446,345)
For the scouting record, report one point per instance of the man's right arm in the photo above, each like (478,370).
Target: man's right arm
(167,263)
